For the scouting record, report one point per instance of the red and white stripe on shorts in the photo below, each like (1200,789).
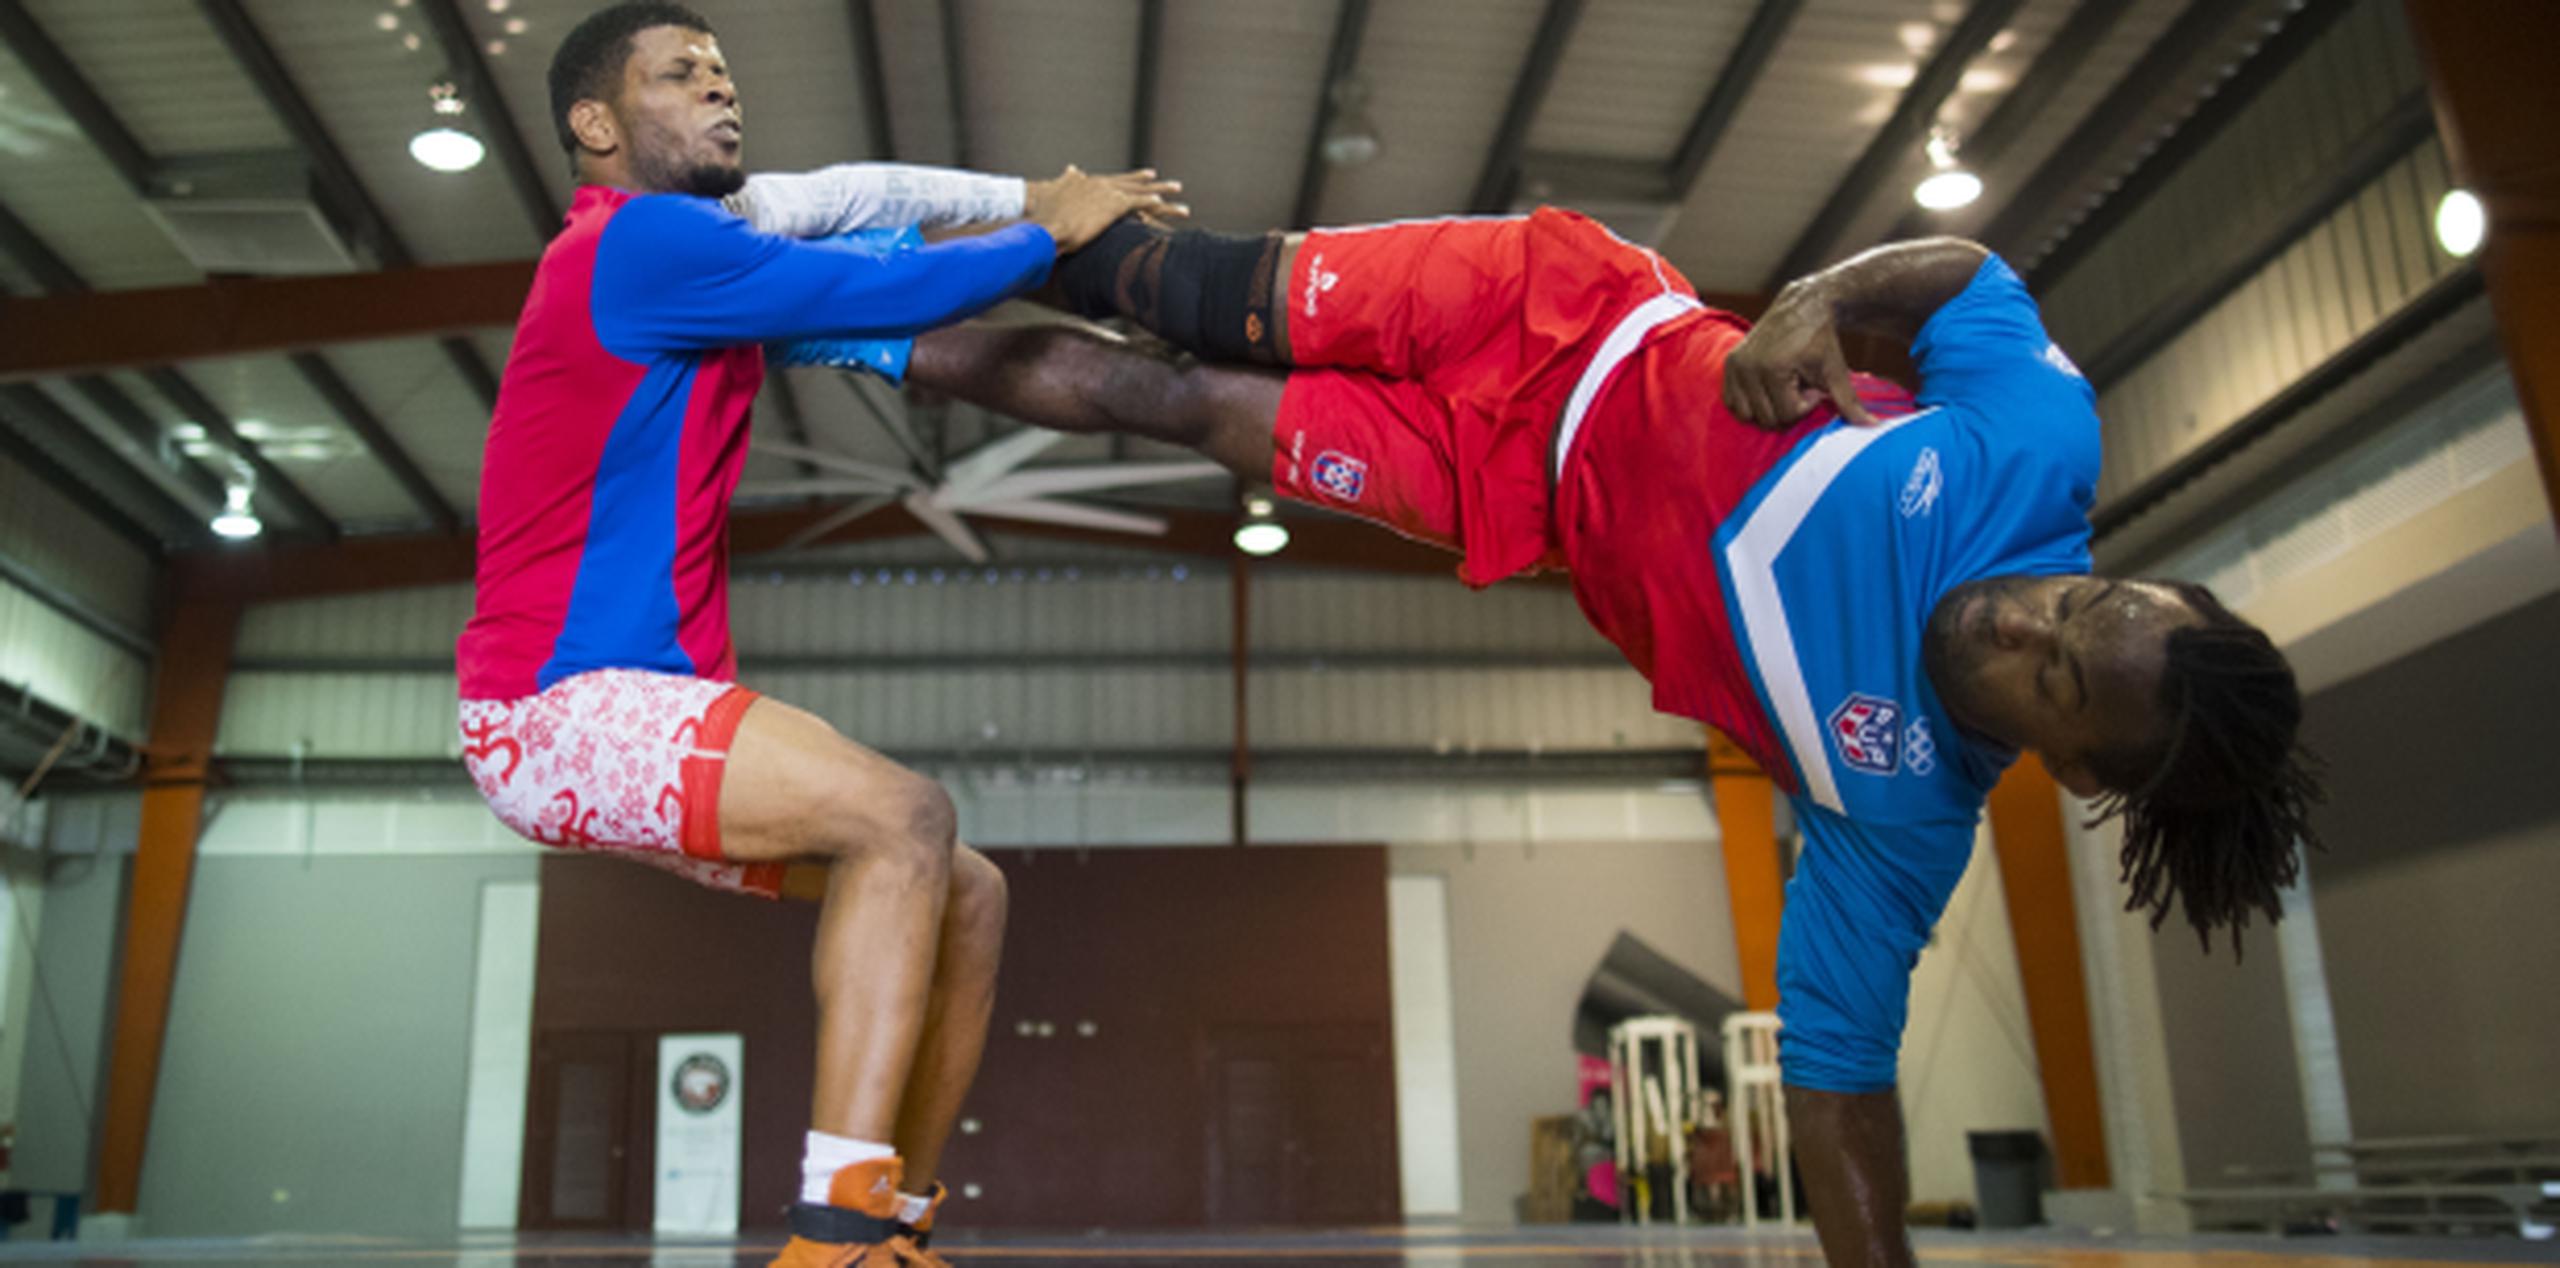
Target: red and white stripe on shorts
(618,760)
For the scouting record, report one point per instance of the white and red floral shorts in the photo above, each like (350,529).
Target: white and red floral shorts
(618,760)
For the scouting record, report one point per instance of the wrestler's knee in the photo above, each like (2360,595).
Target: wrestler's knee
(979,898)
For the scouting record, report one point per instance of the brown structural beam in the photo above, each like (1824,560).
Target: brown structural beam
(266,72)
(186,707)
(1899,138)
(2025,104)
(1528,91)
(871,71)
(60,334)
(123,151)
(2489,73)
(1350,23)
(52,335)
(55,274)
(1754,872)
(2035,876)
(1150,80)
(1751,55)
(2064,184)
(480,89)
(364,564)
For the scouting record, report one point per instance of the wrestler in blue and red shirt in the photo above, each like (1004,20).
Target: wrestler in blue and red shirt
(622,420)
(598,705)
(1882,609)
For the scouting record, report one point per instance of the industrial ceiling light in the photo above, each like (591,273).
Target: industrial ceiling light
(447,146)
(1261,533)
(1350,139)
(237,522)
(2461,222)
(1947,186)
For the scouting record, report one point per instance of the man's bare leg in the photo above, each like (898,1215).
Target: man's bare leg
(1074,380)
(1856,1176)
(955,1023)
(795,789)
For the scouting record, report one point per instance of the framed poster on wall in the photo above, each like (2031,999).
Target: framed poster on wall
(700,1086)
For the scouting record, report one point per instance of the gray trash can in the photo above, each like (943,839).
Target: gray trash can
(2008,1178)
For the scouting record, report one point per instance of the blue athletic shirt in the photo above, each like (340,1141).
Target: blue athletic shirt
(1831,567)
(622,420)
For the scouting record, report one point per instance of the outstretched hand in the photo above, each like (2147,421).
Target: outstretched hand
(1790,363)
(1077,206)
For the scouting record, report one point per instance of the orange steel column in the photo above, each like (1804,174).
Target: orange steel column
(2035,873)
(195,658)
(1754,883)
(2489,71)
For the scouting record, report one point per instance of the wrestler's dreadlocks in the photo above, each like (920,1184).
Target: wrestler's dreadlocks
(2217,812)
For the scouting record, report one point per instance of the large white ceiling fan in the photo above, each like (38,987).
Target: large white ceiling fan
(987,481)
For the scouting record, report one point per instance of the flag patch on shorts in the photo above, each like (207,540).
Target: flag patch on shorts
(1339,476)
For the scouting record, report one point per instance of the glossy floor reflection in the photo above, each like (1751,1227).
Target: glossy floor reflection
(1576,1247)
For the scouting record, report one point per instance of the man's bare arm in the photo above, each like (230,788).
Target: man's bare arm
(1792,361)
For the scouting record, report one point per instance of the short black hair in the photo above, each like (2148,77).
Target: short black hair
(2217,809)
(589,63)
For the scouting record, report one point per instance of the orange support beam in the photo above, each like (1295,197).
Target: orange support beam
(186,707)
(2489,72)
(2035,873)
(1754,879)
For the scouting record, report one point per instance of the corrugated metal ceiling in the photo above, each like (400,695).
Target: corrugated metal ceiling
(1041,83)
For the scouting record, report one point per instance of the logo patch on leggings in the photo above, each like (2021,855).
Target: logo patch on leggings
(1868,733)
(1339,476)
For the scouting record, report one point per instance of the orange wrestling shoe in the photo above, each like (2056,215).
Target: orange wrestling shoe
(920,1233)
(858,1227)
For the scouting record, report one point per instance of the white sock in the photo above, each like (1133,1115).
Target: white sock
(912,1208)
(826,1155)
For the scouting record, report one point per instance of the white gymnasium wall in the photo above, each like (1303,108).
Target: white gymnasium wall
(1428,1143)
(974,666)
(21,922)
(501,1053)
(61,980)
(1528,922)
(1081,702)
(2145,1157)
(1968,1054)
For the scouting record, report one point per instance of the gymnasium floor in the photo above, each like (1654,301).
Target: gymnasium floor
(1389,1248)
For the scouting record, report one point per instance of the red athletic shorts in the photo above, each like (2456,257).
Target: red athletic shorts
(618,760)
(1435,358)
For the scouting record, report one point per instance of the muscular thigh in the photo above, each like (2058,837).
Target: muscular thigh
(1414,299)
(1371,446)
(797,788)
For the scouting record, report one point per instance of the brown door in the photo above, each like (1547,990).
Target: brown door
(1298,1131)
(587,1125)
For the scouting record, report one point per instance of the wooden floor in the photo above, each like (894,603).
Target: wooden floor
(1580,1247)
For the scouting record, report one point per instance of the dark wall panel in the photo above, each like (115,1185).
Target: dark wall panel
(2443,870)
(1182,1036)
